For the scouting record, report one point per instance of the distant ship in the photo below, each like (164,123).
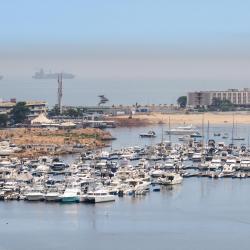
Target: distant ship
(42,75)
(1,77)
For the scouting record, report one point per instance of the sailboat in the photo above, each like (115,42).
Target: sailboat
(236,137)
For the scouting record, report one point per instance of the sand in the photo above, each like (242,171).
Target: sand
(181,118)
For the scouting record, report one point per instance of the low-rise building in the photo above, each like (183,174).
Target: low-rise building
(36,107)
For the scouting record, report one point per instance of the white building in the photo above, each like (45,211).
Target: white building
(205,98)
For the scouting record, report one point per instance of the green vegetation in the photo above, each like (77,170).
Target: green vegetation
(221,105)
(70,112)
(182,101)
(19,112)
(3,120)
(54,111)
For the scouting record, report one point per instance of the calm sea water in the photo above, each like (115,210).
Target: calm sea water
(85,92)
(201,213)
(130,136)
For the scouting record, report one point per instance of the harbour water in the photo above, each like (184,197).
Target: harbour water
(200,213)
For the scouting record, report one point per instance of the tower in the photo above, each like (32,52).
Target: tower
(60,93)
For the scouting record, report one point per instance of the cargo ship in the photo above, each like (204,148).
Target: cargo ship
(43,75)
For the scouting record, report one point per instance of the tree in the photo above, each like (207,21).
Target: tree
(222,105)
(72,112)
(3,120)
(182,101)
(55,111)
(20,112)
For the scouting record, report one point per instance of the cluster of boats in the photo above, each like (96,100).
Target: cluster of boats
(100,176)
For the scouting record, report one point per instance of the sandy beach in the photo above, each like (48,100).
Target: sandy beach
(181,118)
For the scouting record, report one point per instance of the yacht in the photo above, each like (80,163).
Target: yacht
(34,195)
(228,170)
(52,195)
(245,164)
(215,164)
(98,196)
(71,194)
(182,130)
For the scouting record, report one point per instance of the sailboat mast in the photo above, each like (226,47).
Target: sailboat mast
(202,146)
(208,128)
(233,131)
(169,129)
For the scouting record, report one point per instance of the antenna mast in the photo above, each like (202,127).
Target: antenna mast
(60,93)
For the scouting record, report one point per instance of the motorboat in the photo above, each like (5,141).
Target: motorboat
(196,157)
(182,130)
(217,134)
(196,135)
(149,134)
(228,170)
(52,195)
(156,173)
(215,164)
(171,179)
(225,136)
(98,196)
(34,195)
(71,194)
(245,164)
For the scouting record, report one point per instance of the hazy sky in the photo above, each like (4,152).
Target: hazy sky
(127,39)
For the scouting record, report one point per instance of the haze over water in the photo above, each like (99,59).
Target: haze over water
(132,51)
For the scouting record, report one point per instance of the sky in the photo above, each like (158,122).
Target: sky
(128,40)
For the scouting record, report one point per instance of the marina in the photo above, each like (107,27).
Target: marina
(124,125)
(122,170)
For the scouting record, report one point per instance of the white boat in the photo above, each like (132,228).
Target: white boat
(98,196)
(245,164)
(157,173)
(171,179)
(71,194)
(34,195)
(52,196)
(196,157)
(182,130)
(149,134)
(215,164)
(228,170)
